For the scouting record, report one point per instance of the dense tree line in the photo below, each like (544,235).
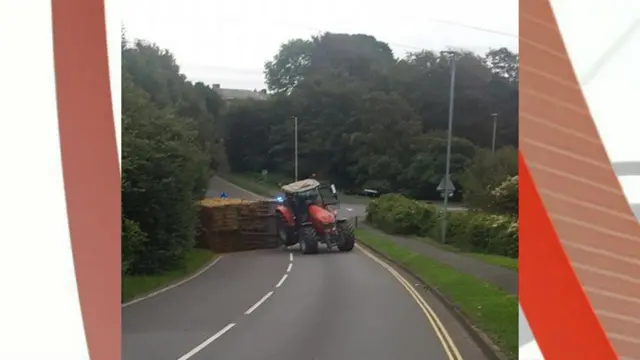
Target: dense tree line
(171,141)
(368,119)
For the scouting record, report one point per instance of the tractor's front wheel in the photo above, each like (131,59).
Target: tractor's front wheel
(348,235)
(308,240)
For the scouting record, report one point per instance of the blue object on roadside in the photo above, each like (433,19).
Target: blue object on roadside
(223,195)
(280,199)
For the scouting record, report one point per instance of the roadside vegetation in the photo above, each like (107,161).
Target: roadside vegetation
(473,231)
(491,309)
(134,286)
(171,143)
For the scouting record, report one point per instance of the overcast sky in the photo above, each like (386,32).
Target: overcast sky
(227,42)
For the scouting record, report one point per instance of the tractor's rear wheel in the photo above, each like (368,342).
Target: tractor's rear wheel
(285,232)
(308,240)
(348,235)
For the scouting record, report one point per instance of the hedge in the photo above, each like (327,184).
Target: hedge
(469,231)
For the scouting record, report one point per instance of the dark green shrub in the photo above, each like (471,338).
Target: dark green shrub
(133,242)
(467,230)
(398,214)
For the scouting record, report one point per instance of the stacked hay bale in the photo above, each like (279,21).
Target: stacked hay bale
(236,225)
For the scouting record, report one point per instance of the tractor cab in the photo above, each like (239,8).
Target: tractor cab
(300,195)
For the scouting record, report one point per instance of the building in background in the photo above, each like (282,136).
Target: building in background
(240,94)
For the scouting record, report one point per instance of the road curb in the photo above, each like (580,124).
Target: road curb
(481,339)
(174,284)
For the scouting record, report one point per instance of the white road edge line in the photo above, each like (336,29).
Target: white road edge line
(204,344)
(255,306)
(281,280)
(183,281)
(289,267)
(290,256)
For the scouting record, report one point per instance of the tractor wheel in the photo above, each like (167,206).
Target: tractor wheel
(308,240)
(285,233)
(348,236)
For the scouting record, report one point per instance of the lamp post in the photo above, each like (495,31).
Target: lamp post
(295,146)
(447,174)
(493,140)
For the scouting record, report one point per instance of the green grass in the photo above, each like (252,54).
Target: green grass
(489,308)
(135,286)
(502,261)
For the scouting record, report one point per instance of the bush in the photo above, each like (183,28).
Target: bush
(469,231)
(487,173)
(504,197)
(133,241)
(397,214)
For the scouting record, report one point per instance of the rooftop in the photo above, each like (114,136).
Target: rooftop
(240,94)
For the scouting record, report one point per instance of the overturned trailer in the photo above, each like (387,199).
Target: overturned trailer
(229,225)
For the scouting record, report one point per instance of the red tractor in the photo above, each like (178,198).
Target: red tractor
(306,218)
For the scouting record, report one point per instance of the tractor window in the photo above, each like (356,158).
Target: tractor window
(309,195)
(327,195)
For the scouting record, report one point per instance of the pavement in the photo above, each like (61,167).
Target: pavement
(279,304)
(503,278)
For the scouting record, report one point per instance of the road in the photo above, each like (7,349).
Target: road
(280,305)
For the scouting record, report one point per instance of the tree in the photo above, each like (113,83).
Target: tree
(170,145)
(487,172)
(366,119)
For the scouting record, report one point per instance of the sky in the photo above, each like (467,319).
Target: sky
(228,42)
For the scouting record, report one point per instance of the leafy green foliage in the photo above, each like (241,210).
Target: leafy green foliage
(471,231)
(133,241)
(170,145)
(484,181)
(369,120)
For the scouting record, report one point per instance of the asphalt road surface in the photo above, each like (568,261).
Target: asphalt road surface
(281,305)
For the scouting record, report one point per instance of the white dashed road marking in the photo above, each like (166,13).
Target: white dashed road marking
(255,306)
(204,344)
(281,280)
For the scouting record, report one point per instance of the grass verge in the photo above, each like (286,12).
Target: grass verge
(502,261)
(135,286)
(492,310)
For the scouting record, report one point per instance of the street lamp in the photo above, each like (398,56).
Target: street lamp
(295,146)
(447,174)
(493,141)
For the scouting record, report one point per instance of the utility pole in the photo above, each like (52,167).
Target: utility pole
(493,141)
(450,131)
(295,146)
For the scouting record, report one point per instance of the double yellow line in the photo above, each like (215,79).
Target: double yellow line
(438,327)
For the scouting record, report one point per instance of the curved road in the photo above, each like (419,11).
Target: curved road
(280,305)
